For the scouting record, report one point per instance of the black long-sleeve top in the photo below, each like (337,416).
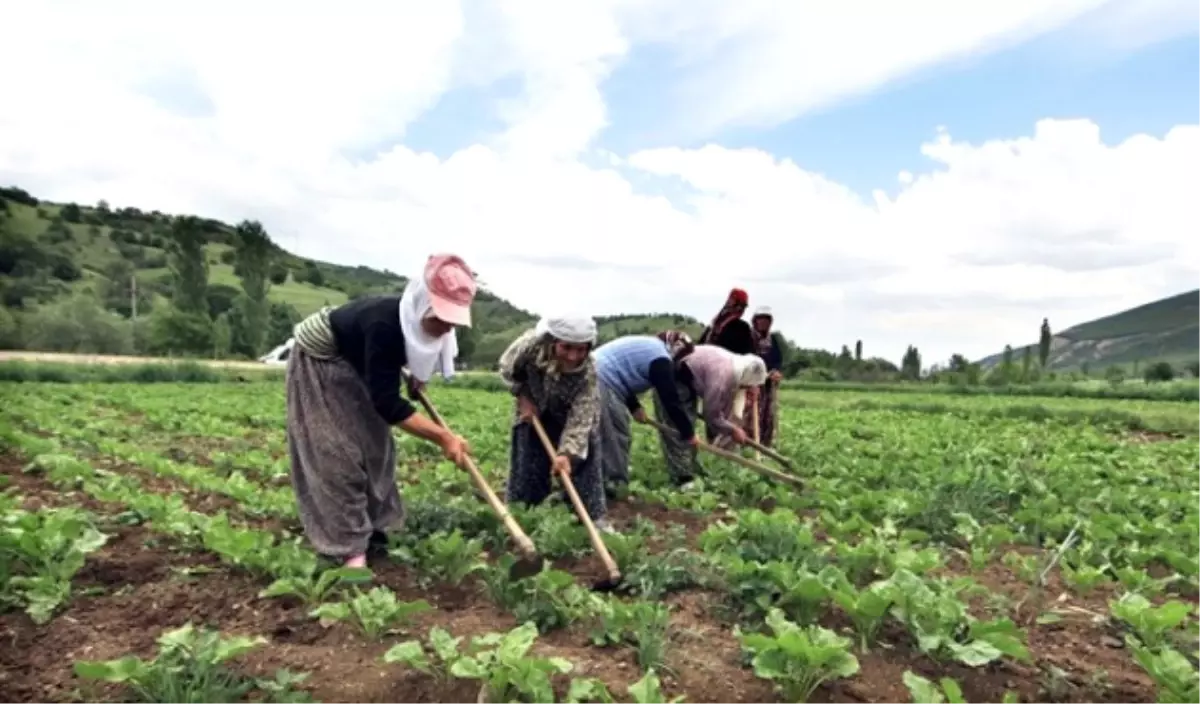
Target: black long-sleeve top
(736,337)
(662,379)
(370,338)
(774,357)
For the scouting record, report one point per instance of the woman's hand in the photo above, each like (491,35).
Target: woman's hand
(739,435)
(415,386)
(775,376)
(525,409)
(455,448)
(561,466)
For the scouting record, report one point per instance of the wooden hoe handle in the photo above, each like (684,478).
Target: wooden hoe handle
(524,544)
(593,535)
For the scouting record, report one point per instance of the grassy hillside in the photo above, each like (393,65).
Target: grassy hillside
(1165,330)
(50,251)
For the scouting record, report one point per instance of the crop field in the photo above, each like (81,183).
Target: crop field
(973,548)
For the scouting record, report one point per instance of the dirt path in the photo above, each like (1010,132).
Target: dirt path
(67,358)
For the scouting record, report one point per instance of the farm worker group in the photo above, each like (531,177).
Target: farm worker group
(344,376)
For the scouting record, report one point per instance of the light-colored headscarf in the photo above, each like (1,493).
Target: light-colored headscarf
(424,353)
(750,370)
(579,330)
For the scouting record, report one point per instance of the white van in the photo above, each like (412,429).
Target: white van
(279,355)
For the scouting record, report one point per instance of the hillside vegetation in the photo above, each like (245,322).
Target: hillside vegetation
(71,276)
(1167,330)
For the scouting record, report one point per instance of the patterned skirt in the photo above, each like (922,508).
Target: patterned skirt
(343,456)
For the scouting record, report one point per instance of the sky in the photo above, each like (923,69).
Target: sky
(935,172)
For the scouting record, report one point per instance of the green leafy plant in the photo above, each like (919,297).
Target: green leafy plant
(40,551)
(191,667)
(648,690)
(316,587)
(944,691)
(1175,678)
(442,557)
(501,662)
(938,619)
(550,599)
(641,624)
(798,659)
(867,608)
(376,611)
(1152,624)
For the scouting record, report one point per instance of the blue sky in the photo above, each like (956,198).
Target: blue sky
(865,142)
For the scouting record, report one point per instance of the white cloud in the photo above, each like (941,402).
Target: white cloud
(968,255)
(761,62)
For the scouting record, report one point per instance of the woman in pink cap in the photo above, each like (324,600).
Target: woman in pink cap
(343,396)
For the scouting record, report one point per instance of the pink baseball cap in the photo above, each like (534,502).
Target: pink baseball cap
(451,287)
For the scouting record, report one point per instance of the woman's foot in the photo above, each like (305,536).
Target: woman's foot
(355,561)
(604,526)
(378,545)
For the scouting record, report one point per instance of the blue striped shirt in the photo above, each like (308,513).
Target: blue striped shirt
(624,364)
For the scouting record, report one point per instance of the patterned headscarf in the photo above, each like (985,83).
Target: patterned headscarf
(679,343)
(735,304)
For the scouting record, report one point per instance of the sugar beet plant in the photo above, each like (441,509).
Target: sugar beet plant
(506,670)
(40,551)
(192,666)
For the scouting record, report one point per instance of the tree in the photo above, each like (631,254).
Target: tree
(11,337)
(910,365)
(1044,343)
(222,336)
(858,351)
(279,273)
(77,324)
(220,298)
(1006,363)
(466,343)
(309,274)
(1159,371)
(71,213)
(176,332)
(189,266)
(16,249)
(254,255)
(1026,363)
(283,318)
(116,290)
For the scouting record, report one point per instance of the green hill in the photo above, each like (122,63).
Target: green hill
(1165,330)
(51,253)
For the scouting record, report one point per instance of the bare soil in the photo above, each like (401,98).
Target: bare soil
(139,584)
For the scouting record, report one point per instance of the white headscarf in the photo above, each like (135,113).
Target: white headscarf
(579,330)
(749,369)
(424,353)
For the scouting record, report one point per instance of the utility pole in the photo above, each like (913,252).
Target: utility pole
(133,298)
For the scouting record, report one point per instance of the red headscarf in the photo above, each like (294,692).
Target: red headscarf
(734,306)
